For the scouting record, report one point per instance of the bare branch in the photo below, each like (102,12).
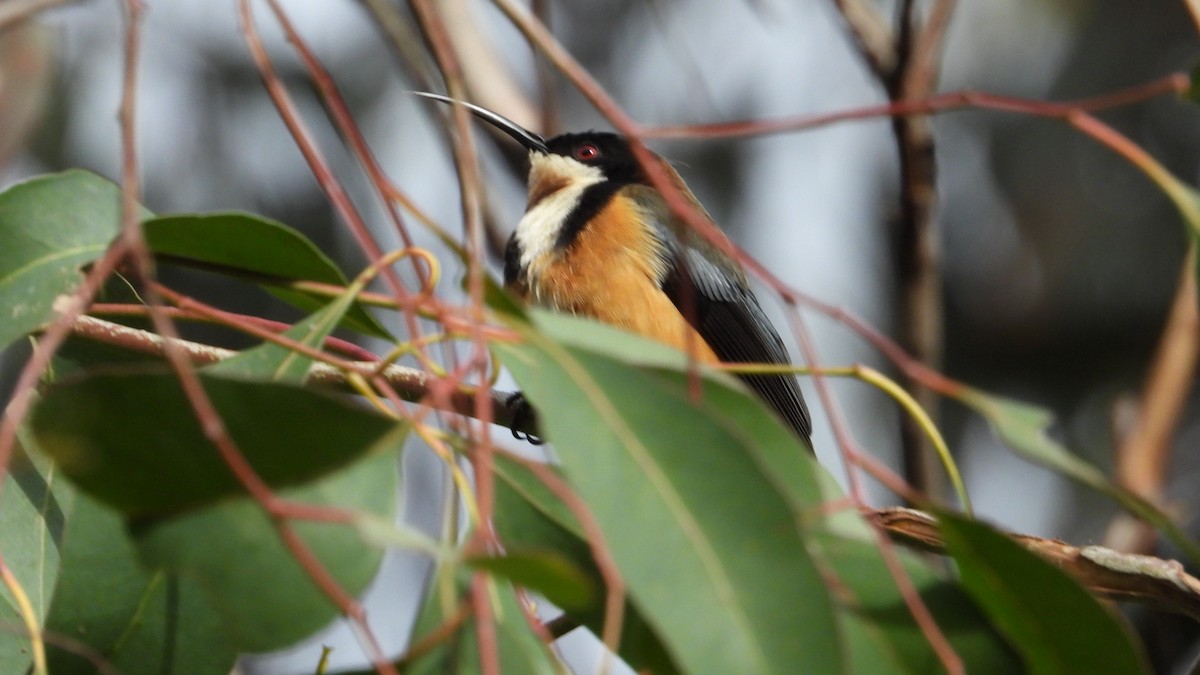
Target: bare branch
(871,35)
(411,384)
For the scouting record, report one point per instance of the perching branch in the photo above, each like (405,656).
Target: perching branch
(1117,576)
(411,384)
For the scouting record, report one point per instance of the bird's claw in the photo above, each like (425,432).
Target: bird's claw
(523,416)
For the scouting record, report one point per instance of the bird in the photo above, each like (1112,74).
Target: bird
(599,240)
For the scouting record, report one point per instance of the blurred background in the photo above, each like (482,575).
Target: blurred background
(1060,259)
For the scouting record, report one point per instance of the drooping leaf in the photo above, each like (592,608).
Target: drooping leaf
(263,596)
(670,478)
(50,227)
(260,248)
(1025,429)
(544,571)
(132,439)
(139,622)
(1054,624)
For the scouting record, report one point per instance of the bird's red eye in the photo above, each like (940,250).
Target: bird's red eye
(587,152)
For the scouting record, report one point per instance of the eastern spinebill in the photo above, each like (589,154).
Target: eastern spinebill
(598,240)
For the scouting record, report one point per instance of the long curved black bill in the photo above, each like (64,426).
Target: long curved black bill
(527,139)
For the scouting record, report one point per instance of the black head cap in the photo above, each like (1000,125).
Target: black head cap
(606,151)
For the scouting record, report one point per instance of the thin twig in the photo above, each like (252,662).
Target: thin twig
(918,245)
(614,602)
(317,163)
(341,116)
(471,194)
(871,34)
(410,383)
(1174,83)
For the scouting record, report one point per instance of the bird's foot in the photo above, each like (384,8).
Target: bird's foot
(523,417)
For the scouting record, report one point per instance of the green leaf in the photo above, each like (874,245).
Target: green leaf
(879,631)
(518,649)
(265,599)
(34,508)
(1024,428)
(142,623)
(132,439)
(1056,626)
(673,479)
(528,515)
(50,227)
(544,571)
(248,245)
(881,634)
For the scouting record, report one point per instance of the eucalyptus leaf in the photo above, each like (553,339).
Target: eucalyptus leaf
(35,506)
(1056,625)
(139,622)
(1025,429)
(50,228)
(518,649)
(671,477)
(256,247)
(264,597)
(131,439)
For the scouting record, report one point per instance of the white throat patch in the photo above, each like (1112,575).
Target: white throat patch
(539,227)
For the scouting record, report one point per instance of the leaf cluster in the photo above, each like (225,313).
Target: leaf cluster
(682,520)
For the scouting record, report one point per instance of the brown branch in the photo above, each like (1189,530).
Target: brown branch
(1175,83)
(411,384)
(871,35)
(1117,576)
(340,115)
(918,246)
(317,163)
(1143,455)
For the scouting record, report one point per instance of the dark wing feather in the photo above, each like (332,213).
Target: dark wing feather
(727,315)
(721,307)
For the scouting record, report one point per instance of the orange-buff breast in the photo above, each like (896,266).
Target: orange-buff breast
(610,273)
